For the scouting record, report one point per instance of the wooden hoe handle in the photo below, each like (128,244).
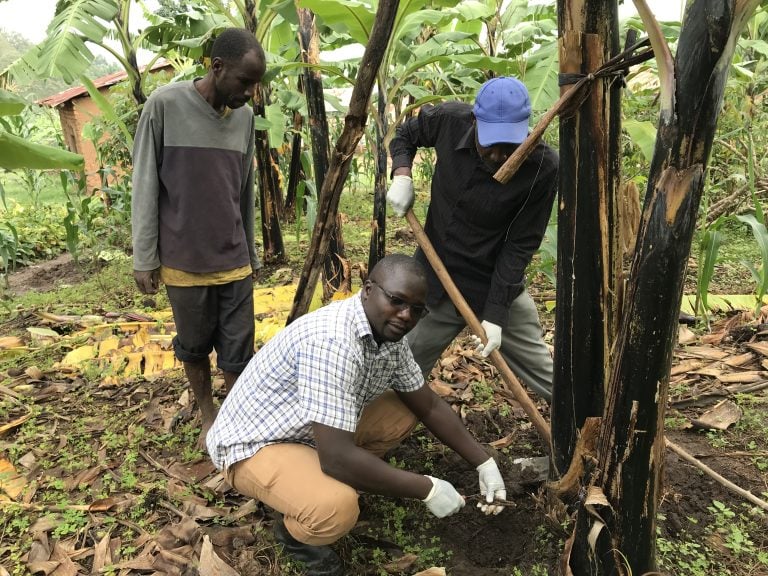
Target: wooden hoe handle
(511,382)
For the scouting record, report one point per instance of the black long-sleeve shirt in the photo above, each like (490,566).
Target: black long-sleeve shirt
(484,232)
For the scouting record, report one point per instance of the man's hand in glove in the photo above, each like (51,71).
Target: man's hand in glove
(443,500)
(491,486)
(492,334)
(400,194)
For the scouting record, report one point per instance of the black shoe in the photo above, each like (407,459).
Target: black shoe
(318,560)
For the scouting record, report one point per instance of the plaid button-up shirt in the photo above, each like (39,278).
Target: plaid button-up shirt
(325,367)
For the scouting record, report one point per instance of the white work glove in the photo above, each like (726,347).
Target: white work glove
(492,334)
(491,486)
(400,194)
(443,500)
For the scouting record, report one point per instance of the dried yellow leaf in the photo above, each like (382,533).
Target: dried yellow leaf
(108,345)
(153,362)
(722,302)
(140,338)
(109,381)
(268,327)
(165,341)
(11,483)
(11,342)
(280,299)
(340,295)
(79,355)
(133,368)
(169,360)
(14,423)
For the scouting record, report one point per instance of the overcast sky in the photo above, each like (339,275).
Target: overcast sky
(30,18)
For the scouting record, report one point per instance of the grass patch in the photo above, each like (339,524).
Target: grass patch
(47,191)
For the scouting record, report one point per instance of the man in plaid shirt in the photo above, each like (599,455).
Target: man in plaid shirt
(305,426)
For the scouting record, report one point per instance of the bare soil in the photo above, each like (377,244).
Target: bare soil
(46,275)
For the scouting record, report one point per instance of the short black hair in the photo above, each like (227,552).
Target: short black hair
(234,43)
(387,265)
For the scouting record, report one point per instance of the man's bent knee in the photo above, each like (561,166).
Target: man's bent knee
(330,520)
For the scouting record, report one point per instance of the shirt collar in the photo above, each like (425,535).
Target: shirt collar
(362,326)
(468,140)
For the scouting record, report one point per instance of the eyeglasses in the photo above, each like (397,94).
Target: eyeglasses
(418,310)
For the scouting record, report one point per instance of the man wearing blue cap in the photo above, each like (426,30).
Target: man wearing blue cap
(485,232)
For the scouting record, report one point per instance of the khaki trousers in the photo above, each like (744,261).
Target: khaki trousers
(318,509)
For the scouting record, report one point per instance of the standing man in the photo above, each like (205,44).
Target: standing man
(484,232)
(308,420)
(193,207)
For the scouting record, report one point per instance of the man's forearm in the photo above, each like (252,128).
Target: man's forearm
(402,152)
(145,211)
(364,471)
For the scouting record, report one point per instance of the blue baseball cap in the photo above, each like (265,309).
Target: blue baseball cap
(502,108)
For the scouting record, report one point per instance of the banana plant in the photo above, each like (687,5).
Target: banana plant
(17,152)
(760,272)
(64,52)
(435,53)
(709,245)
(76,25)
(440,53)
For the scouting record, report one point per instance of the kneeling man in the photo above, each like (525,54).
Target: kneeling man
(307,422)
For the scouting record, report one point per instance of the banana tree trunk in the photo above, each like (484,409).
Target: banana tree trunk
(587,263)
(131,63)
(270,199)
(377,248)
(334,264)
(270,195)
(620,504)
(341,156)
(295,170)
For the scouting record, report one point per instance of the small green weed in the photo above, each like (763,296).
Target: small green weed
(718,439)
(14,527)
(70,522)
(535,570)
(733,528)
(686,557)
(191,453)
(675,421)
(407,525)
(482,392)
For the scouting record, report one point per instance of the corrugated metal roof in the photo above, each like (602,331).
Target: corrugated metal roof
(77,91)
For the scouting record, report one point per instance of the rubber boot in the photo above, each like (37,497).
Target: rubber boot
(318,560)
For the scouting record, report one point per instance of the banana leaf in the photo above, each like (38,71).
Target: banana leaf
(16,153)
(10,104)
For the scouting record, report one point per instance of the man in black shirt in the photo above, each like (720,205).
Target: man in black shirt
(484,232)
